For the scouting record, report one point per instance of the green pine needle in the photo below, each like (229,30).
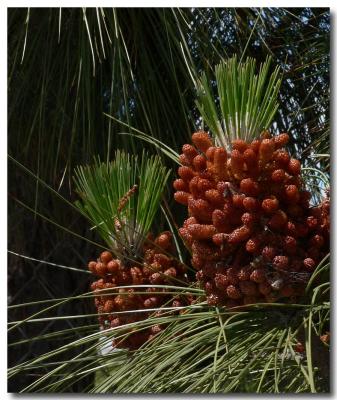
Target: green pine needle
(247,101)
(121,199)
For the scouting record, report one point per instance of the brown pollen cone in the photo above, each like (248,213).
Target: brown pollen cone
(157,267)
(250,227)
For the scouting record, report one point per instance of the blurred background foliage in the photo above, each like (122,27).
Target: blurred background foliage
(69,68)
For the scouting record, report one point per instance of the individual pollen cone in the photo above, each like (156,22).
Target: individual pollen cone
(250,158)
(180,184)
(237,200)
(278,175)
(193,187)
(233,292)
(258,275)
(317,241)
(111,298)
(92,267)
(312,222)
(268,253)
(266,151)
(294,167)
(182,197)
(199,232)
(214,197)
(239,235)
(249,187)
(292,194)
(270,205)
(281,262)
(190,152)
(205,250)
(126,197)
(186,173)
(202,141)
(220,161)
(113,267)
(220,239)
(200,209)
(250,221)
(237,164)
(255,146)
(101,269)
(220,222)
(281,158)
(243,273)
(199,163)
(251,204)
(253,245)
(281,140)
(309,264)
(240,145)
(210,153)
(105,257)
(265,134)
(184,160)
(204,185)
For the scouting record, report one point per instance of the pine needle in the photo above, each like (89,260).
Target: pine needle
(247,101)
(121,199)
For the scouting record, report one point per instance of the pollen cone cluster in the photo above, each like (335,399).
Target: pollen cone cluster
(157,268)
(251,230)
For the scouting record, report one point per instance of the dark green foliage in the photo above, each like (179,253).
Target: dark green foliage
(131,63)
